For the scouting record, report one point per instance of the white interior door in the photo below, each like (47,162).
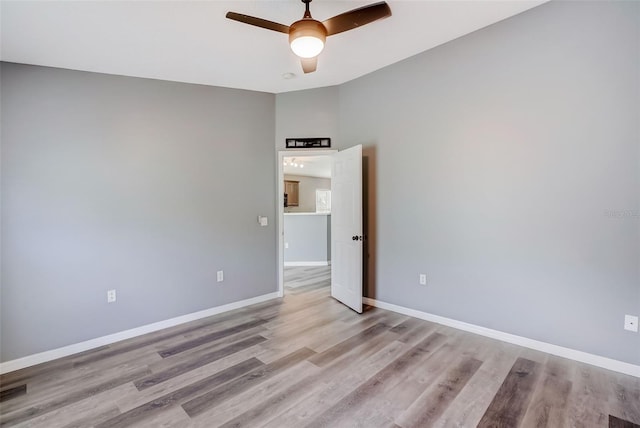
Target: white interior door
(346,227)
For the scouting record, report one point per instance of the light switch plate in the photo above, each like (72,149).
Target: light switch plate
(263,220)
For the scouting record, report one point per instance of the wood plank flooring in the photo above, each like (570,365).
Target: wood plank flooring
(308,361)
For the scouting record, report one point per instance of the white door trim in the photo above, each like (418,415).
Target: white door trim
(280,198)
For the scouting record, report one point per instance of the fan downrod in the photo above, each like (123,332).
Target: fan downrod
(307,12)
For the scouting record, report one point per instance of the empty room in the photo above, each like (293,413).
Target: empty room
(286,213)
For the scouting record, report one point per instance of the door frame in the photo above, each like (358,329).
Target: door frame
(280,202)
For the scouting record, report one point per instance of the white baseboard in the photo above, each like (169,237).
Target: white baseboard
(595,360)
(43,357)
(584,357)
(323,263)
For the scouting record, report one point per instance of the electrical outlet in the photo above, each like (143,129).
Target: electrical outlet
(286,245)
(111,296)
(220,276)
(423,279)
(631,323)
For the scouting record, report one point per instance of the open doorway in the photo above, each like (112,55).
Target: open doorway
(304,226)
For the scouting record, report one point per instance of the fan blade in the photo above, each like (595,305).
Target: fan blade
(309,64)
(356,18)
(258,22)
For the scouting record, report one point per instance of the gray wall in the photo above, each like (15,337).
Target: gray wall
(492,165)
(310,113)
(308,238)
(307,187)
(115,182)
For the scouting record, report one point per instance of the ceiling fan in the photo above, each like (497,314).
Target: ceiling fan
(307,36)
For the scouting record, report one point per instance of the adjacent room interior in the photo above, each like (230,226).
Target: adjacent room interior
(153,273)
(307,222)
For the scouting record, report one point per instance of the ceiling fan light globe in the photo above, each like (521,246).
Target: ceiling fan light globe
(307,46)
(307,37)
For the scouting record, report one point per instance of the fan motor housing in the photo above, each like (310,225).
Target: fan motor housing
(307,27)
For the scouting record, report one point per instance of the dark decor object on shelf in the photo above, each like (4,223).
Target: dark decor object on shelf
(308,143)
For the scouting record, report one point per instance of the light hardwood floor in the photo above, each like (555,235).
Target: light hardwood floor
(307,360)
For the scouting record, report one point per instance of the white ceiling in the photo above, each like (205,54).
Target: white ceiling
(314,166)
(192,41)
